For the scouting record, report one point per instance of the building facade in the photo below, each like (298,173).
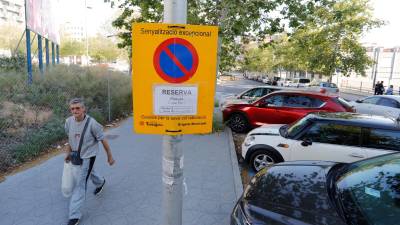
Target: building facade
(12,12)
(386,68)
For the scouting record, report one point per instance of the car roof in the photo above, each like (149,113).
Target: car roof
(395,97)
(356,119)
(303,92)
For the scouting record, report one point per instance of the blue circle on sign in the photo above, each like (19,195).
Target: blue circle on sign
(175,60)
(176,66)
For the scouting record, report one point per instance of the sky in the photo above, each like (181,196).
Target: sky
(101,13)
(389,34)
(98,13)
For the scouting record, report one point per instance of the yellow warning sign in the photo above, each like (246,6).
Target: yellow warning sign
(173,78)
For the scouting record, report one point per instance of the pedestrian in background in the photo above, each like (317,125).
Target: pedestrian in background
(84,135)
(389,91)
(382,88)
(376,89)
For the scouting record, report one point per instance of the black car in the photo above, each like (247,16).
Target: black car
(320,192)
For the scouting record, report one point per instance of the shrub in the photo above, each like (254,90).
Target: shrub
(50,93)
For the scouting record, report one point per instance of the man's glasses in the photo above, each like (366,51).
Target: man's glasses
(75,108)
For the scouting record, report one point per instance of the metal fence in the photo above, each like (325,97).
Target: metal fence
(32,116)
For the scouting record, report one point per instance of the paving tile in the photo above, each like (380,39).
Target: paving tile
(133,193)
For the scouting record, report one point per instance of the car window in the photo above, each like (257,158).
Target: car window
(334,134)
(324,84)
(371,100)
(382,139)
(388,102)
(370,191)
(259,92)
(298,101)
(332,85)
(275,100)
(267,91)
(249,93)
(304,81)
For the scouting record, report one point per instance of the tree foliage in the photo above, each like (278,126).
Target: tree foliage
(72,47)
(102,49)
(239,21)
(328,40)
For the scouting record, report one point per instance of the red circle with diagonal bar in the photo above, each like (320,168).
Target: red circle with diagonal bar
(183,58)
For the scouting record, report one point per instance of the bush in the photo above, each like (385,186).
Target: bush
(43,106)
(39,139)
(14,63)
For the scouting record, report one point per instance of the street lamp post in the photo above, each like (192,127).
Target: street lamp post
(86,30)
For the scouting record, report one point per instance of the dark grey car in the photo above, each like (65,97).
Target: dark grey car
(318,192)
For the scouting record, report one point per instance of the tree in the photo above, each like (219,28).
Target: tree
(329,40)
(102,49)
(240,21)
(72,47)
(10,34)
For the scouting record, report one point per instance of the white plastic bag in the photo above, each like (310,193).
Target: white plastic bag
(69,179)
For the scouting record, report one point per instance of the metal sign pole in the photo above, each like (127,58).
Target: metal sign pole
(28,55)
(175,11)
(40,54)
(53,54)
(46,45)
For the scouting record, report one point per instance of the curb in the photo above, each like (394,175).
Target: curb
(238,184)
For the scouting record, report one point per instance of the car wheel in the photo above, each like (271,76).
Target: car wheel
(262,158)
(238,123)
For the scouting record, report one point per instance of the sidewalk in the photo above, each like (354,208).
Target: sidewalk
(133,192)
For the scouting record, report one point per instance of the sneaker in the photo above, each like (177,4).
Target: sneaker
(73,222)
(98,190)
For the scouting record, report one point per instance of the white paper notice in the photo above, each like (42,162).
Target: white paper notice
(171,100)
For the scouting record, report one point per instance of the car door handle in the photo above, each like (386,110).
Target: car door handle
(356,155)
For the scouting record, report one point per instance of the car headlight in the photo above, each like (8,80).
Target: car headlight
(249,141)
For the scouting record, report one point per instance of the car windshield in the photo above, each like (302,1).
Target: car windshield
(293,129)
(369,191)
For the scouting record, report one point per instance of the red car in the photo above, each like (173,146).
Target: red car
(281,107)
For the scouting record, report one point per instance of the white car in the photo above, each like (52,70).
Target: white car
(338,137)
(384,105)
(323,87)
(266,80)
(300,82)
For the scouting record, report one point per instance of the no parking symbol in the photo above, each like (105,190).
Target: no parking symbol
(175,60)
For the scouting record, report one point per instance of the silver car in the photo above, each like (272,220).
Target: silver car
(384,105)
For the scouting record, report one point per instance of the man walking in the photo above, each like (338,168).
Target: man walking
(84,134)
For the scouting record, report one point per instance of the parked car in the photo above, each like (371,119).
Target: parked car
(323,193)
(284,82)
(266,80)
(340,137)
(282,107)
(323,87)
(300,82)
(249,95)
(384,105)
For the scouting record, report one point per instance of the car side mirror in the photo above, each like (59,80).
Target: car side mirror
(358,101)
(306,142)
(262,104)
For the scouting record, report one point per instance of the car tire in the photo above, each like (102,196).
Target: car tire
(239,123)
(262,158)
